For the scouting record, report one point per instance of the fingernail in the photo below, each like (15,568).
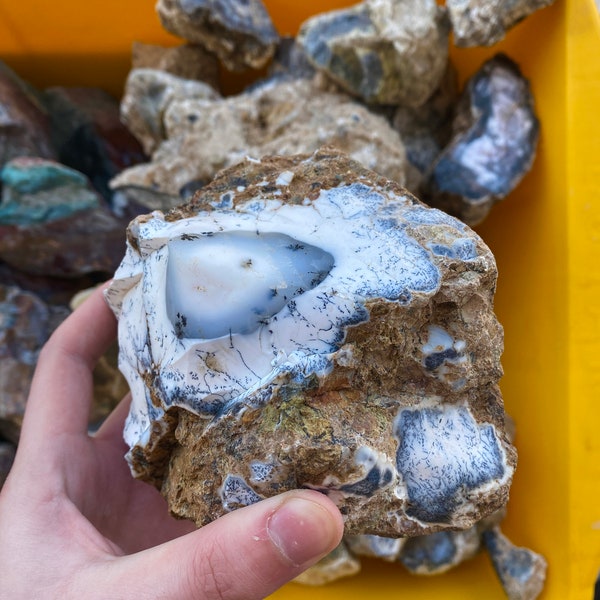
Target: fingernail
(303,531)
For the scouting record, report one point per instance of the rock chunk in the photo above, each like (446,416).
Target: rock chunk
(26,322)
(24,124)
(521,571)
(285,118)
(337,564)
(239,32)
(494,141)
(320,328)
(485,22)
(148,94)
(51,221)
(383,51)
(188,61)
(89,136)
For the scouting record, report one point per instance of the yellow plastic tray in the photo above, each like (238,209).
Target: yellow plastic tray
(546,237)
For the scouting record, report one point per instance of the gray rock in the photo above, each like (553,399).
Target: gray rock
(521,571)
(485,22)
(239,32)
(24,123)
(282,118)
(493,145)
(148,94)
(438,552)
(384,51)
(26,322)
(427,129)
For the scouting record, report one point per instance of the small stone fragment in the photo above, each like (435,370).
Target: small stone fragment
(426,130)
(384,51)
(521,571)
(495,135)
(89,136)
(148,94)
(290,61)
(337,564)
(7,457)
(38,191)
(24,124)
(25,324)
(284,118)
(485,22)
(53,223)
(239,32)
(375,546)
(438,552)
(188,61)
(312,324)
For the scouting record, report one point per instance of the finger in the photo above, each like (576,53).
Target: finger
(112,427)
(61,390)
(245,555)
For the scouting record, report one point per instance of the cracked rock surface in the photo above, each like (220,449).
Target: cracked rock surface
(306,322)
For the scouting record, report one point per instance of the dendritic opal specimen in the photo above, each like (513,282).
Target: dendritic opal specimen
(305,322)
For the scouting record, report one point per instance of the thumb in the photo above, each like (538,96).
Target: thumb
(246,554)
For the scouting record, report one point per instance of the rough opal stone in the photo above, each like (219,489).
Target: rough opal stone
(521,571)
(306,322)
(239,32)
(485,22)
(384,51)
(279,117)
(493,145)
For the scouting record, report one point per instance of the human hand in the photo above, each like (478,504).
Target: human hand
(75,524)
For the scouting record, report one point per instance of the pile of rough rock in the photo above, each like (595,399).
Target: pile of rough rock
(373,81)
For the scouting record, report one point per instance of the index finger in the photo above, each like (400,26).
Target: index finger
(61,391)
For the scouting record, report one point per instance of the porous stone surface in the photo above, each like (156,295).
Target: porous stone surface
(239,32)
(384,51)
(24,124)
(485,22)
(375,546)
(26,322)
(305,322)
(148,94)
(279,117)
(188,61)
(51,221)
(493,144)
(88,134)
(521,571)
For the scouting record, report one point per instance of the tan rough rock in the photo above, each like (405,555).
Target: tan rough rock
(148,94)
(282,118)
(188,61)
(485,22)
(383,51)
(376,382)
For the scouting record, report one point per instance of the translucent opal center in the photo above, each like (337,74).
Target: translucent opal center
(233,282)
